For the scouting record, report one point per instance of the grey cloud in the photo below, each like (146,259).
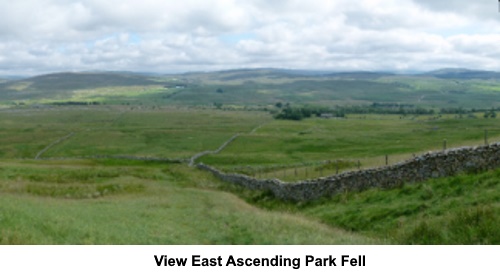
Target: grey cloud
(480,45)
(476,9)
(54,35)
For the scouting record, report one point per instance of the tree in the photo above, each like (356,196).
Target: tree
(490,113)
(290,113)
(218,105)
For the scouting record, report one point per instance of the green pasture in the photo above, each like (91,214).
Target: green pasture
(100,130)
(266,148)
(463,209)
(66,200)
(111,95)
(286,149)
(124,202)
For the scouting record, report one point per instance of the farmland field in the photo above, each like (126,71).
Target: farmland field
(101,202)
(80,192)
(170,133)
(289,147)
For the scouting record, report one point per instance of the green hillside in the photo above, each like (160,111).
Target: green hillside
(260,88)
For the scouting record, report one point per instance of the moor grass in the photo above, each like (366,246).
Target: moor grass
(463,209)
(100,202)
(285,149)
(69,197)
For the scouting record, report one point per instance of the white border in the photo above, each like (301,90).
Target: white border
(140,259)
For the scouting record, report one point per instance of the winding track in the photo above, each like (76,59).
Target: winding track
(199,155)
(53,144)
(193,159)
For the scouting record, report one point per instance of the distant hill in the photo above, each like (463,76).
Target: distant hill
(270,73)
(463,74)
(359,75)
(7,78)
(59,83)
(67,81)
(243,74)
(261,87)
(11,77)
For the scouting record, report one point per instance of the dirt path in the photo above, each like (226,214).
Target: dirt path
(193,159)
(199,155)
(256,128)
(53,144)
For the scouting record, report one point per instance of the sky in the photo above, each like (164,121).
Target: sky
(43,36)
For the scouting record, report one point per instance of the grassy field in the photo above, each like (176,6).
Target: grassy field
(124,202)
(169,132)
(69,200)
(464,209)
(286,149)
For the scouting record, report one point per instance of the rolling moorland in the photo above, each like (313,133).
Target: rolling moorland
(102,158)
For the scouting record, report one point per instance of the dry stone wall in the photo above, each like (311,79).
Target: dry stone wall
(427,166)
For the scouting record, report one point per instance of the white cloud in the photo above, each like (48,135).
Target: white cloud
(154,35)
(474,9)
(481,45)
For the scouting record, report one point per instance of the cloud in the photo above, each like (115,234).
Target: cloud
(153,35)
(475,9)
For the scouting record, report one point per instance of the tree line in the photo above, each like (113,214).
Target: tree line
(289,112)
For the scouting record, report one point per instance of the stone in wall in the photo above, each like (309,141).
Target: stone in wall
(427,166)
